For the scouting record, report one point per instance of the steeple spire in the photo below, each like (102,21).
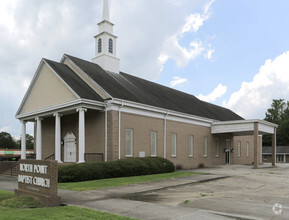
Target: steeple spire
(105,15)
(105,43)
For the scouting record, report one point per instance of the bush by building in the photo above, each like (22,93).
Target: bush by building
(112,169)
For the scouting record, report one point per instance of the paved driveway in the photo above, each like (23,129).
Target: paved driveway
(247,192)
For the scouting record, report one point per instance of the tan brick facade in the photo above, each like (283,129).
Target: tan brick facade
(142,126)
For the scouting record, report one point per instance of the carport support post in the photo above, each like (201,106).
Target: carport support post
(256,150)
(274,148)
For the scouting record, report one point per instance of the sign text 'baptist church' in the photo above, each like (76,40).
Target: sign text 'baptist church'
(33,180)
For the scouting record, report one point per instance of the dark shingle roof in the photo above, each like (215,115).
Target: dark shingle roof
(74,81)
(131,88)
(279,149)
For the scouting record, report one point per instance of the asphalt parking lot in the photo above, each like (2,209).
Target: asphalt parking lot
(260,193)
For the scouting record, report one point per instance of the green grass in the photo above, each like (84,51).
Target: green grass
(9,209)
(54,213)
(5,195)
(106,183)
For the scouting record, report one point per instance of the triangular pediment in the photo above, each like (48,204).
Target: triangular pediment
(47,89)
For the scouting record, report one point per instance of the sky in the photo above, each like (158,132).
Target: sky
(230,53)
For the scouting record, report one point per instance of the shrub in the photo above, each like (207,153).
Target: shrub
(112,169)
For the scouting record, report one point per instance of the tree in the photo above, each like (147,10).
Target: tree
(278,114)
(29,142)
(7,141)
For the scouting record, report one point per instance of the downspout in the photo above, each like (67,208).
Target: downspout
(105,134)
(165,134)
(119,129)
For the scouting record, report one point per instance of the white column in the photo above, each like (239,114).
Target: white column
(38,139)
(105,135)
(81,135)
(58,137)
(23,140)
(284,156)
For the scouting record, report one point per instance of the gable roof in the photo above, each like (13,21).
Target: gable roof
(279,149)
(131,88)
(74,81)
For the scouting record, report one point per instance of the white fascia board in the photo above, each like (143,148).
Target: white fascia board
(155,112)
(242,126)
(86,76)
(62,108)
(36,74)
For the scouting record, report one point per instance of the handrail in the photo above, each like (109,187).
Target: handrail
(51,157)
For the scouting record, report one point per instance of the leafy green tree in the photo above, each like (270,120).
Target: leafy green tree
(29,142)
(278,114)
(7,141)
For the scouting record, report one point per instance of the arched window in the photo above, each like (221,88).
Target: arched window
(110,45)
(99,45)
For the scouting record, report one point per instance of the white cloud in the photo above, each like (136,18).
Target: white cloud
(182,55)
(255,97)
(218,92)
(195,21)
(177,81)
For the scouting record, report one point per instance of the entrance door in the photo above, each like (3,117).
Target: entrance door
(227,152)
(69,147)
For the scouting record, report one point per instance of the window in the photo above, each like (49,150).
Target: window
(247,149)
(174,145)
(239,148)
(153,135)
(128,142)
(217,147)
(191,146)
(110,45)
(99,45)
(205,147)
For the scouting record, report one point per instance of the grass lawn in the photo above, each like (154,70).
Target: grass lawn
(9,210)
(106,183)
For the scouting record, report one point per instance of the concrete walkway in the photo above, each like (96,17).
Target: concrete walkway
(111,199)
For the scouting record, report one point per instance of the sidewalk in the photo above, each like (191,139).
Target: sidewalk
(110,199)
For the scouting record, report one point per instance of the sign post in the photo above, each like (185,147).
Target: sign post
(39,179)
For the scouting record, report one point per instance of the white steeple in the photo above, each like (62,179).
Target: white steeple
(105,43)
(105,15)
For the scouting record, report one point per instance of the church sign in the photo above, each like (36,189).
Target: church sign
(39,179)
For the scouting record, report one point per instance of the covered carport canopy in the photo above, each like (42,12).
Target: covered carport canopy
(248,127)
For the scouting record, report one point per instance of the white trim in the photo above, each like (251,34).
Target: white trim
(155,112)
(67,106)
(86,77)
(36,74)
(242,126)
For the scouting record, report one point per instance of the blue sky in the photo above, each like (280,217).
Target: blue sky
(230,53)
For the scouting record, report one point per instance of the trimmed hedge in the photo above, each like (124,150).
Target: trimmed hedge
(112,169)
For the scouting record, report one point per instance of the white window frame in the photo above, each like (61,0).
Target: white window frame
(191,146)
(205,147)
(217,147)
(129,145)
(153,143)
(247,148)
(173,145)
(239,148)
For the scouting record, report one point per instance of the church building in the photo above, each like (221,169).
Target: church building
(91,111)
